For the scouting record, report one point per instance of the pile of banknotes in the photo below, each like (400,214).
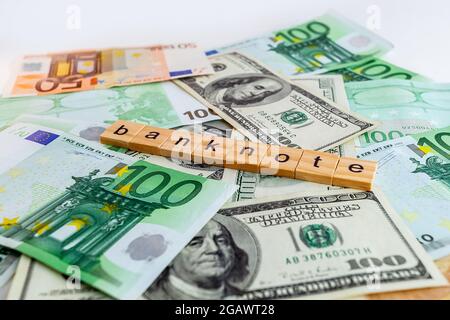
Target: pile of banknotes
(82,220)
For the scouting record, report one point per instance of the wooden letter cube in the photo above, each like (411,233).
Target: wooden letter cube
(245,155)
(149,140)
(316,166)
(180,145)
(355,173)
(213,150)
(280,161)
(120,133)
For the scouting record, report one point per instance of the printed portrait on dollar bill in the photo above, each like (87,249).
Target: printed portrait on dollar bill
(246,90)
(214,265)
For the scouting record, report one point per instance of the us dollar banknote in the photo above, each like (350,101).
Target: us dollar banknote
(324,244)
(331,87)
(265,107)
(75,205)
(252,185)
(421,163)
(402,107)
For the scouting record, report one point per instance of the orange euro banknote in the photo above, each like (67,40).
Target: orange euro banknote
(36,75)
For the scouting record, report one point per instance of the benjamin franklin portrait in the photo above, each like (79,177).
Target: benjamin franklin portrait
(218,262)
(246,90)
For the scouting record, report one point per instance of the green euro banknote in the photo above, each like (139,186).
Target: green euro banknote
(322,44)
(402,107)
(157,104)
(78,207)
(414,173)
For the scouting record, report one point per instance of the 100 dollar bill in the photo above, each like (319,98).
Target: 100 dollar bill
(62,72)
(75,205)
(402,107)
(414,172)
(323,244)
(265,107)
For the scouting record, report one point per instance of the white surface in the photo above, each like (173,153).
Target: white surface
(419,30)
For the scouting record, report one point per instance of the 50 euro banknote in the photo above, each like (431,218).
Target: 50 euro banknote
(99,69)
(72,205)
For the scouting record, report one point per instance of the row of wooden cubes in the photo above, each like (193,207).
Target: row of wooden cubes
(315,166)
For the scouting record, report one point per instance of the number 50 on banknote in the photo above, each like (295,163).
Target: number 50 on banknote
(99,69)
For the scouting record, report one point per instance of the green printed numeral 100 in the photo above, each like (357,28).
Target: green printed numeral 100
(438,145)
(376,136)
(374,68)
(161,181)
(296,34)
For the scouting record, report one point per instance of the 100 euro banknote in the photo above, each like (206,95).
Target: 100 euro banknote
(99,69)
(77,206)
(322,44)
(374,68)
(414,172)
(402,107)
(158,104)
